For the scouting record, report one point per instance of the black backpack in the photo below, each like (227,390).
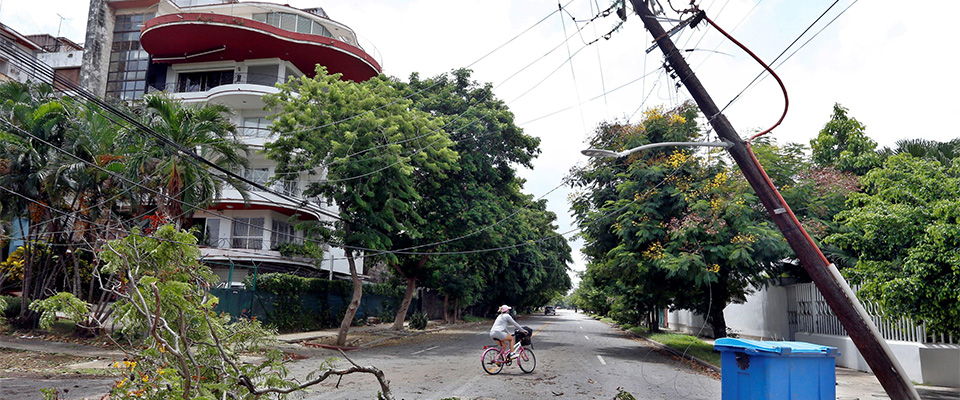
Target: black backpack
(524,339)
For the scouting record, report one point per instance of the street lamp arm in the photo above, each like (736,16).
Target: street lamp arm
(610,153)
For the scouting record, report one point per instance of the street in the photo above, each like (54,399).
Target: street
(577,358)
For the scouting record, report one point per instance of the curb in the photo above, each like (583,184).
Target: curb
(677,353)
(671,350)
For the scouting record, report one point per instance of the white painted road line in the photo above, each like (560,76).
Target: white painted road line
(601,360)
(585,337)
(421,351)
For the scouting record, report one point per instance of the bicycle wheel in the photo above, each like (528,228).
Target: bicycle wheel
(491,361)
(527,361)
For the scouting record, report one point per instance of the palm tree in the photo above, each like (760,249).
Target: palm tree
(32,128)
(184,184)
(944,152)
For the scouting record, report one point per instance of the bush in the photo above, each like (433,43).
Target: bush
(12,309)
(418,321)
(386,315)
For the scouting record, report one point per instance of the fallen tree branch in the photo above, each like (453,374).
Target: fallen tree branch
(384,384)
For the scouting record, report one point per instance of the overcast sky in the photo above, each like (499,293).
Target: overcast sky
(882,61)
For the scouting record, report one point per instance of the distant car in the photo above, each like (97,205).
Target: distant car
(549,310)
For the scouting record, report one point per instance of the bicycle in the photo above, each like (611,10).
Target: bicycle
(494,358)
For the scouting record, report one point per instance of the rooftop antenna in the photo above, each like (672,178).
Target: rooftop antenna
(58,30)
(61,23)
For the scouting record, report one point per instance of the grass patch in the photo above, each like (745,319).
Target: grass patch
(473,318)
(687,344)
(608,320)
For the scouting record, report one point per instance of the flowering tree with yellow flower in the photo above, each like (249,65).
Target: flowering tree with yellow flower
(680,227)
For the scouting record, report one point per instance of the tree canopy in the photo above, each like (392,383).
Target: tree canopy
(905,230)
(375,151)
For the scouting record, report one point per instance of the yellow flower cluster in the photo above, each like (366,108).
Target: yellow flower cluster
(677,159)
(743,238)
(125,364)
(654,113)
(716,205)
(655,251)
(676,119)
(718,180)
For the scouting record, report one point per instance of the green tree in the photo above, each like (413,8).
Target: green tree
(904,228)
(843,144)
(376,153)
(184,184)
(480,203)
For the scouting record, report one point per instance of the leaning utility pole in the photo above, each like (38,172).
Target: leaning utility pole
(825,275)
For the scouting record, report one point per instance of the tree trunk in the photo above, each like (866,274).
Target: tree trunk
(354,302)
(456,310)
(718,303)
(652,324)
(446,308)
(404,305)
(27,318)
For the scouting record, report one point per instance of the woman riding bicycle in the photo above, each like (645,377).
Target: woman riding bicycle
(499,330)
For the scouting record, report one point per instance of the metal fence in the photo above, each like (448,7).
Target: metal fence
(260,304)
(808,312)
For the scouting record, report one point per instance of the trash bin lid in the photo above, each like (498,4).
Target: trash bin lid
(773,347)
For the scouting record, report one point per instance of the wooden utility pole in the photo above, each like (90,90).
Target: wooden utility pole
(825,275)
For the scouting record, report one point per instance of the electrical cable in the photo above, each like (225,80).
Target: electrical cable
(111,109)
(756,162)
(21,57)
(778,56)
(569,61)
(786,99)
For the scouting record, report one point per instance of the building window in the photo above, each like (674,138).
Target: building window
(266,75)
(127,72)
(293,23)
(247,233)
(203,81)
(282,232)
(259,176)
(255,127)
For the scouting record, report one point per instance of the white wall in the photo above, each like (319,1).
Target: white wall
(763,316)
(928,364)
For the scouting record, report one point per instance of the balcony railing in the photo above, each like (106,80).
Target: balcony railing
(182,86)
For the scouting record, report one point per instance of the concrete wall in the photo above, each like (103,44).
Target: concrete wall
(97,44)
(66,59)
(930,364)
(940,365)
(763,316)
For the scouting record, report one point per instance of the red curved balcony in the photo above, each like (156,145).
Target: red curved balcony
(198,37)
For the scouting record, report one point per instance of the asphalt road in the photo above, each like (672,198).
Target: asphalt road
(577,358)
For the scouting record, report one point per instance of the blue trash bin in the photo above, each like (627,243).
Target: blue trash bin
(755,370)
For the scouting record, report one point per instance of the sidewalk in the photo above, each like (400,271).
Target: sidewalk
(383,330)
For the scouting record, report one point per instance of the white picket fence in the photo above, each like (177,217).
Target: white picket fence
(807,311)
